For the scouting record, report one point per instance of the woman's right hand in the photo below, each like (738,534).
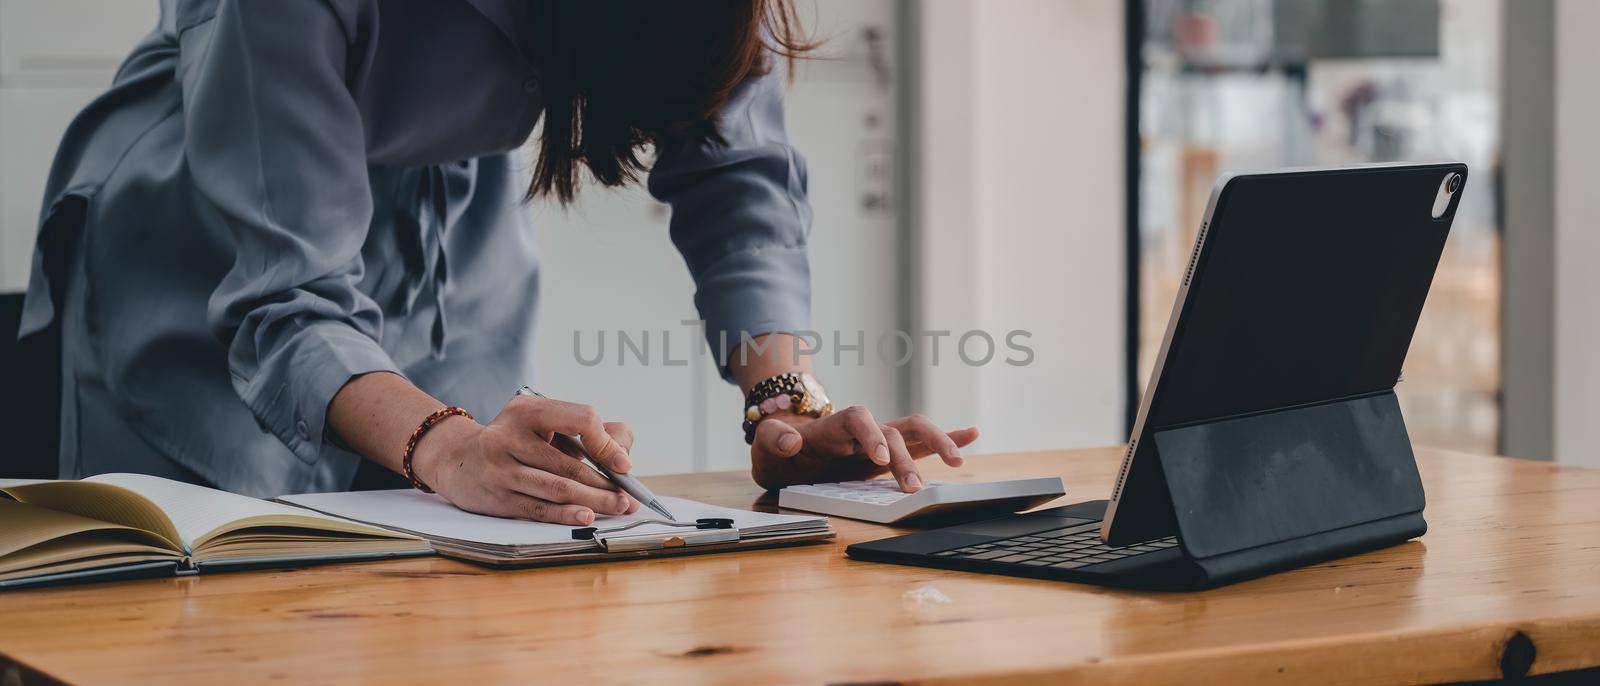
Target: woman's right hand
(510,468)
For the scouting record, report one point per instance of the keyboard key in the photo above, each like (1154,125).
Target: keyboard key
(1071,564)
(1014,558)
(989,555)
(1035,563)
(947,553)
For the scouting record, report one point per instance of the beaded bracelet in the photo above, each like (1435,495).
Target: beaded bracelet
(416,436)
(786,391)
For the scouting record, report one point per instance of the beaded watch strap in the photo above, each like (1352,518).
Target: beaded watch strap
(416,436)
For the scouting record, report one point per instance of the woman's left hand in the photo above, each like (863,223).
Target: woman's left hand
(850,445)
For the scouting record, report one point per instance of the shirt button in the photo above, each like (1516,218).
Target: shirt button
(305,431)
(530,86)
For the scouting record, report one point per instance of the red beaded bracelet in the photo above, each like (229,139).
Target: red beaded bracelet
(416,436)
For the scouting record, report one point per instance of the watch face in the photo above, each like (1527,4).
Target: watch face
(819,397)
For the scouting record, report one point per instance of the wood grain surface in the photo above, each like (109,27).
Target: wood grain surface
(1506,580)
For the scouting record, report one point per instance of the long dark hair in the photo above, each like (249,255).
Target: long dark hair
(618,75)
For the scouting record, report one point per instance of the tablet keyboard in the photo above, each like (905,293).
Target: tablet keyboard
(1068,548)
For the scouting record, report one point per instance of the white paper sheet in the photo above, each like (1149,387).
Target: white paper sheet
(197,510)
(433,517)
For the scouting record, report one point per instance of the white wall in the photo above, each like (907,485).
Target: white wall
(55,56)
(1577,234)
(1021,175)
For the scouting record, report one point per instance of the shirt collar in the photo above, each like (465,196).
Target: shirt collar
(512,18)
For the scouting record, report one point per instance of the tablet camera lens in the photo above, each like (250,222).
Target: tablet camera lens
(1449,186)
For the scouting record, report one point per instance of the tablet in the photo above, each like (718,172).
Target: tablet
(1304,287)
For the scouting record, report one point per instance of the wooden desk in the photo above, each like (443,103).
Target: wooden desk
(1514,550)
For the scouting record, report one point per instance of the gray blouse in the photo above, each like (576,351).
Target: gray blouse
(274,197)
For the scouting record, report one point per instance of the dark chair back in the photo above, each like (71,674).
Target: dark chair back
(31,388)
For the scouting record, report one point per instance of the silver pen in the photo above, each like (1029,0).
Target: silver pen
(629,484)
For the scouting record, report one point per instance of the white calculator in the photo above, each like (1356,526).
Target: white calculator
(882,501)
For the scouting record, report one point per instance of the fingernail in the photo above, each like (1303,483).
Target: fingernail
(955,453)
(881,455)
(623,463)
(585,517)
(913,480)
(789,443)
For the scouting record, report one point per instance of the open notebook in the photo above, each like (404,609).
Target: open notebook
(116,525)
(513,542)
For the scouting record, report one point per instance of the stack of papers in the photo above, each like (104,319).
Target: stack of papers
(482,538)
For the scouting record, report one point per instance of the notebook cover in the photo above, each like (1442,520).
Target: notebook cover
(138,570)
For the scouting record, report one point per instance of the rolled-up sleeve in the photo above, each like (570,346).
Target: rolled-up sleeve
(274,142)
(741,220)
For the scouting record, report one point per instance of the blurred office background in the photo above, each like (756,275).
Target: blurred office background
(1040,165)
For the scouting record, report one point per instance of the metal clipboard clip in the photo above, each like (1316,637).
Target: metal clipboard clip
(699,532)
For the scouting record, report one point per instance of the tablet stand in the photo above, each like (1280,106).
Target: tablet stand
(1280,489)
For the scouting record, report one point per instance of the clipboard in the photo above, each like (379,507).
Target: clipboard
(505,543)
(618,539)
(661,546)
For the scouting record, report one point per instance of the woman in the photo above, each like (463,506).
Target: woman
(290,238)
